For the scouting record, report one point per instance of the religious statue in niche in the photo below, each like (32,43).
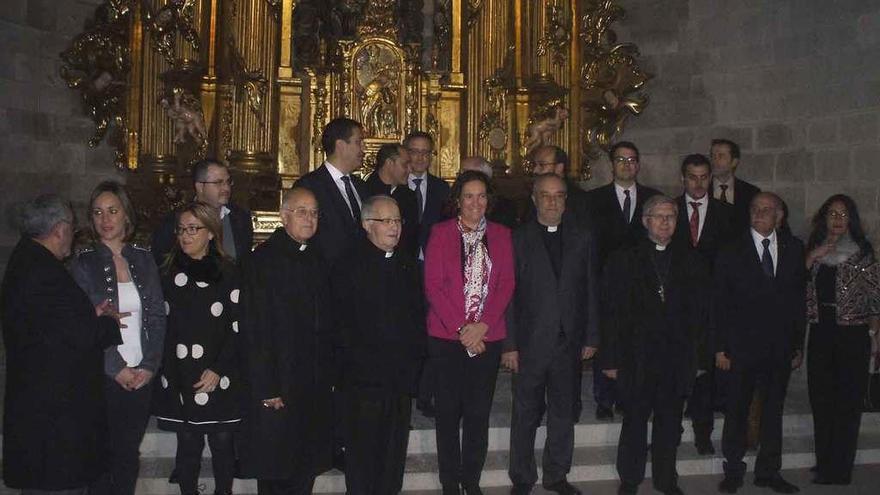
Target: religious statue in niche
(377,72)
(544,124)
(185,111)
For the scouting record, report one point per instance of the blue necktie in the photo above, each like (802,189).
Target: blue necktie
(767,259)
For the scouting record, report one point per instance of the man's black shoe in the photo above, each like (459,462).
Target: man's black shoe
(705,447)
(471,490)
(627,488)
(521,489)
(172,478)
(451,490)
(822,480)
(563,487)
(672,490)
(777,484)
(603,412)
(730,485)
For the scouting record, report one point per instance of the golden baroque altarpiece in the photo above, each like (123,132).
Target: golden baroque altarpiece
(253,82)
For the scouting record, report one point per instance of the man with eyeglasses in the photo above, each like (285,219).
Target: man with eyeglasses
(390,178)
(655,322)
(760,308)
(431,191)
(383,344)
(213,186)
(287,327)
(617,213)
(726,186)
(553,324)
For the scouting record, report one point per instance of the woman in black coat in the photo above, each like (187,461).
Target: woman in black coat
(200,383)
(126,275)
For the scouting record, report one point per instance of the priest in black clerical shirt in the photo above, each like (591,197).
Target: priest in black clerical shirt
(552,325)
(654,326)
(390,178)
(383,341)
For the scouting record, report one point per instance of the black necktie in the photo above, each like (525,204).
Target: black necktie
(352,199)
(767,259)
(723,196)
(627,206)
(419,197)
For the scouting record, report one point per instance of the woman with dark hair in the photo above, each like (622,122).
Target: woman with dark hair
(200,378)
(469,281)
(843,300)
(126,275)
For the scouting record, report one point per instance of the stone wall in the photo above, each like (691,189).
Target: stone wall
(43,130)
(795,82)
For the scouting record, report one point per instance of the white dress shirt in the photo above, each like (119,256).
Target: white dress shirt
(621,197)
(759,246)
(337,179)
(701,209)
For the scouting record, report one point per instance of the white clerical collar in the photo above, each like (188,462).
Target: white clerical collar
(302,247)
(552,228)
(224,211)
(660,247)
(389,254)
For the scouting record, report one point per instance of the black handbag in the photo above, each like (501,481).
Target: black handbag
(872,393)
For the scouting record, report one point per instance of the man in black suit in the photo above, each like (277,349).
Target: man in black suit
(704,223)
(552,325)
(390,179)
(726,186)
(339,193)
(654,325)
(617,214)
(213,186)
(760,312)
(432,192)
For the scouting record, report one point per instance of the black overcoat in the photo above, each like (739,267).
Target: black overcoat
(287,328)
(54,420)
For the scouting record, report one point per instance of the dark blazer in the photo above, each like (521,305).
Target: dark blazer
(383,326)
(337,230)
(717,231)
(438,195)
(54,420)
(759,319)
(287,325)
(409,211)
(242,231)
(614,231)
(94,271)
(542,305)
(743,192)
(640,333)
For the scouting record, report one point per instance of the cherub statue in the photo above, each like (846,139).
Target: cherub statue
(543,126)
(187,117)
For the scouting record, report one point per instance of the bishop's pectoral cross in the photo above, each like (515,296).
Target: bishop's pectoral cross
(661,291)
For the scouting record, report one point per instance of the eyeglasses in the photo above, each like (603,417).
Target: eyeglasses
(416,152)
(662,218)
(219,183)
(552,197)
(189,229)
(387,221)
(838,214)
(629,160)
(303,213)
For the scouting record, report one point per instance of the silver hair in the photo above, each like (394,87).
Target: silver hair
(484,165)
(657,200)
(540,178)
(36,217)
(370,203)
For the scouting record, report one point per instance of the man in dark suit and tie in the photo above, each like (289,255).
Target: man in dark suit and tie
(339,193)
(213,186)
(552,326)
(704,223)
(390,179)
(760,322)
(726,186)
(617,213)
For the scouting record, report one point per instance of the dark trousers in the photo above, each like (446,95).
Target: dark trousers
(377,434)
(604,388)
(465,386)
(837,376)
(127,417)
(538,386)
(189,460)
(70,491)
(292,486)
(770,378)
(658,396)
(701,406)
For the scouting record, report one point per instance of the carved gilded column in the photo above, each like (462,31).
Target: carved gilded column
(291,118)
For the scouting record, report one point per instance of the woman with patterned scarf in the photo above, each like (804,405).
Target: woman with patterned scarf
(843,301)
(469,282)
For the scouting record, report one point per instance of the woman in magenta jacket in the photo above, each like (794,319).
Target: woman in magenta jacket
(469,281)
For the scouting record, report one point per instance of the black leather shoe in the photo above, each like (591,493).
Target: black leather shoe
(563,487)
(521,489)
(627,488)
(730,484)
(777,484)
(471,490)
(705,447)
(824,480)
(451,490)
(603,412)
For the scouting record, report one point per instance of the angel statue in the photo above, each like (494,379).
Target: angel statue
(543,125)
(187,117)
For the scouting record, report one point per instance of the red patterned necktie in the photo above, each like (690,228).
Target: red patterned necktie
(695,223)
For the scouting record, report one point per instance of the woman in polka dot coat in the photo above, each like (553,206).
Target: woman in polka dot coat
(199,384)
